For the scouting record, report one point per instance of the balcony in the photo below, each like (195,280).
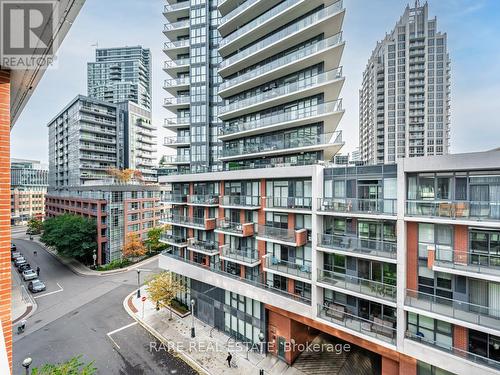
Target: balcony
(330,113)
(172,85)
(327,20)
(241,202)
(245,256)
(225,226)
(289,204)
(479,264)
(175,103)
(177,123)
(171,198)
(280,144)
(237,13)
(173,30)
(178,141)
(482,316)
(209,248)
(377,328)
(320,83)
(455,210)
(93,147)
(361,247)
(358,206)
(174,240)
(211,200)
(217,277)
(275,265)
(91,138)
(189,222)
(177,159)
(172,12)
(172,67)
(176,47)
(456,352)
(283,236)
(350,283)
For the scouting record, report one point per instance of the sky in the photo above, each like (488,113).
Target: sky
(473,33)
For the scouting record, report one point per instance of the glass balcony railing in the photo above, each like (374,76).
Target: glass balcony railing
(282,142)
(256,283)
(176,63)
(284,33)
(472,261)
(244,254)
(263,18)
(285,60)
(241,201)
(91,138)
(204,247)
(173,239)
(177,159)
(185,220)
(281,234)
(301,269)
(177,100)
(293,115)
(174,198)
(245,229)
(290,88)
(210,199)
(177,82)
(377,328)
(461,210)
(177,121)
(176,25)
(301,203)
(240,8)
(385,249)
(475,358)
(356,205)
(177,6)
(176,140)
(357,284)
(468,312)
(176,44)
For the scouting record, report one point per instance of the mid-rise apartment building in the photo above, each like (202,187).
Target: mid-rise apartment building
(404,101)
(118,209)
(29,181)
(90,136)
(121,74)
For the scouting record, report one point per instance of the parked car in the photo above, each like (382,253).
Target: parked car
(23,267)
(13,247)
(15,255)
(29,275)
(36,286)
(20,261)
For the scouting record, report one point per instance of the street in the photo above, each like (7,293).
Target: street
(84,315)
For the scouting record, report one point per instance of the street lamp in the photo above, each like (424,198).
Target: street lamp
(193,335)
(138,283)
(27,364)
(94,256)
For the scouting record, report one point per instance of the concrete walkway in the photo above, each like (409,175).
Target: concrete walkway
(83,270)
(207,352)
(22,303)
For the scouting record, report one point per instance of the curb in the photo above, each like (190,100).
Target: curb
(185,357)
(89,272)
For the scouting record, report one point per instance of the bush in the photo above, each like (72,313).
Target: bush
(115,264)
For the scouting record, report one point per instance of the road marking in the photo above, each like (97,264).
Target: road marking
(53,292)
(118,330)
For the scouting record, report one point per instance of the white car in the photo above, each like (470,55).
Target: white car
(29,275)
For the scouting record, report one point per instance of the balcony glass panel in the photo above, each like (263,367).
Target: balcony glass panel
(460,210)
(204,199)
(289,202)
(241,200)
(355,205)
(384,249)
(302,269)
(245,254)
(281,234)
(172,238)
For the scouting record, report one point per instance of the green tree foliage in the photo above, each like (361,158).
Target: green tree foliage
(35,226)
(153,241)
(72,367)
(72,236)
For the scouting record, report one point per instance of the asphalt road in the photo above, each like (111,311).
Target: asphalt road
(84,315)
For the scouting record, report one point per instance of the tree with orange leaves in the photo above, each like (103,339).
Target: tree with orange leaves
(133,246)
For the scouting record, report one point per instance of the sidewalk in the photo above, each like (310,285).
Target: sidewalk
(83,270)
(208,351)
(23,304)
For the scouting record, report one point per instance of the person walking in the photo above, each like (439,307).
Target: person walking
(229,358)
(38,271)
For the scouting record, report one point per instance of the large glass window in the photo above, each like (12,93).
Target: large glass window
(430,330)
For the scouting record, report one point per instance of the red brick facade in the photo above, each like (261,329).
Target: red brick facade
(412,255)
(460,339)
(461,244)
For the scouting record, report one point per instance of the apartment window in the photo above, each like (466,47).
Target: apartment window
(432,330)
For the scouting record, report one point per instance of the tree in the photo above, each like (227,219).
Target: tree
(35,226)
(72,367)
(153,241)
(125,175)
(162,289)
(72,236)
(133,246)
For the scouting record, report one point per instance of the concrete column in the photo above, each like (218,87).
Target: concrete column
(317,227)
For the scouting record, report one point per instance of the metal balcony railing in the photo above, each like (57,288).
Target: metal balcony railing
(176,140)
(281,234)
(185,220)
(244,254)
(473,261)
(174,198)
(172,238)
(301,203)
(301,269)
(206,247)
(476,210)
(210,199)
(241,200)
(357,205)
